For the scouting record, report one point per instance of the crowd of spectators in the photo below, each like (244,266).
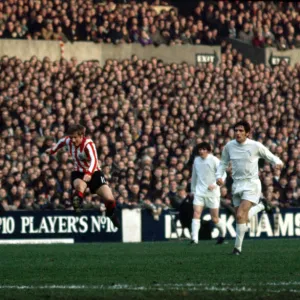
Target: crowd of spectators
(145,117)
(262,23)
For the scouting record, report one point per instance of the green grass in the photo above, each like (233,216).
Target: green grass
(267,269)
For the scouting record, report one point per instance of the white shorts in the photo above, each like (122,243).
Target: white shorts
(207,201)
(246,190)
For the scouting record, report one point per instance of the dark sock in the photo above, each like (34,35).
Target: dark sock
(77,204)
(110,207)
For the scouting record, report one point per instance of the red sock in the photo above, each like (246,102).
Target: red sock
(79,194)
(110,205)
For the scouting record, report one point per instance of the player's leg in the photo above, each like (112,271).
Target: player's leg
(198,206)
(241,224)
(213,203)
(79,187)
(255,210)
(99,186)
(106,194)
(249,193)
(262,205)
(214,212)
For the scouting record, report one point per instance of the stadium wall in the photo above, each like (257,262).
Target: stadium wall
(55,50)
(192,54)
(256,55)
(267,56)
(35,227)
(273,56)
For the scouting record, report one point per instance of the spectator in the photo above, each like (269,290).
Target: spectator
(85,19)
(246,34)
(59,35)
(177,200)
(282,44)
(232,32)
(291,200)
(36,27)
(267,34)
(297,41)
(258,40)
(269,43)
(171,107)
(145,38)
(156,36)
(47,32)
(186,38)
(115,34)
(209,39)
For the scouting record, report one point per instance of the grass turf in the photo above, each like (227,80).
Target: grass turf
(267,269)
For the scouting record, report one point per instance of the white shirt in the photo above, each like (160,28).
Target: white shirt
(244,158)
(204,174)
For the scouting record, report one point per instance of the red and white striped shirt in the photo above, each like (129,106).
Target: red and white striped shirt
(84,156)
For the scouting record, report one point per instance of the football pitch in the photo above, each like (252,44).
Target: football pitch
(267,269)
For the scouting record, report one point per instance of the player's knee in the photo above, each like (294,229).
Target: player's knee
(108,199)
(78,184)
(112,200)
(196,215)
(240,217)
(215,220)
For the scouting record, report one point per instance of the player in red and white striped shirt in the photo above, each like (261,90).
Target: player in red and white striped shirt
(87,172)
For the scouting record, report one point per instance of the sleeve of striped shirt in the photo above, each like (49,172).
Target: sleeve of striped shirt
(223,163)
(92,153)
(60,144)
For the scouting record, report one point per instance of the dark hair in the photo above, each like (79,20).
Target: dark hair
(79,129)
(243,123)
(203,145)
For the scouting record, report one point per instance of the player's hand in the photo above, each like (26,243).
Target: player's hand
(87,177)
(211,187)
(48,151)
(220,182)
(278,166)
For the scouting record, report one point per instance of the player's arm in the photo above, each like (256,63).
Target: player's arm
(221,169)
(92,154)
(224,176)
(266,154)
(60,144)
(194,179)
(217,164)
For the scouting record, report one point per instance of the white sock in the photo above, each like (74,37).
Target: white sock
(195,230)
(222,228)
(255,210)
(241,229)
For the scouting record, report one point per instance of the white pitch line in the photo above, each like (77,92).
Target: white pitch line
(225,284)
(36,241)
(281,283)
(223,287)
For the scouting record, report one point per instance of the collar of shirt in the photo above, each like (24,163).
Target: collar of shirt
(242,144)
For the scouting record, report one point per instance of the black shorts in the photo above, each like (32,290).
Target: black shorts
(97,180)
